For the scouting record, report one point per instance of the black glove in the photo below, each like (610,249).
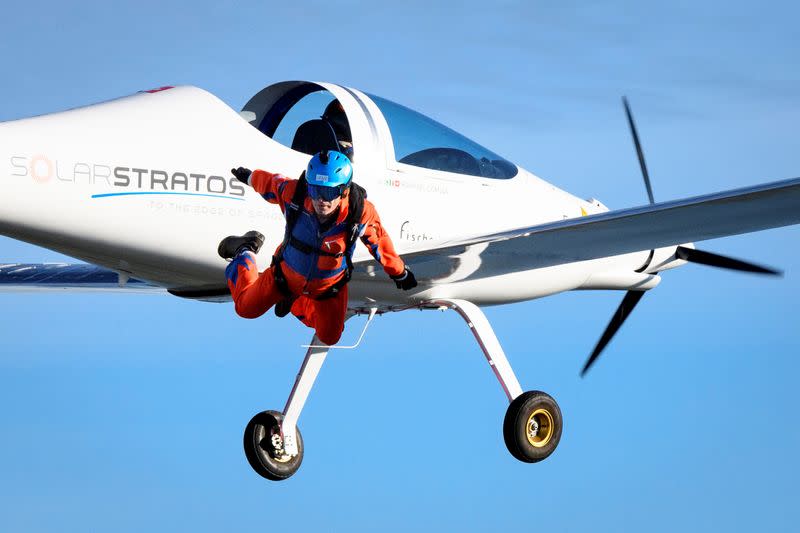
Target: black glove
(242,174)
(406,280)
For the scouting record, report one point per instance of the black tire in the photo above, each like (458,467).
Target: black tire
(532,427)
(261,453)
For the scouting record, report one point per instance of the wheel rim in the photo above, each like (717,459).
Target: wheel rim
(539,428)
(270,441)
(274,444)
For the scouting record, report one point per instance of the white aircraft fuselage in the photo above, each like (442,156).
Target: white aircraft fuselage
(141,185)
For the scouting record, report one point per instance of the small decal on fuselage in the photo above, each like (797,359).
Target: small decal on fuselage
(416,185)
(409,233)
(158,90)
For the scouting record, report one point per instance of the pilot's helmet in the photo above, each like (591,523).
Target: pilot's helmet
(328,175)
(336,117)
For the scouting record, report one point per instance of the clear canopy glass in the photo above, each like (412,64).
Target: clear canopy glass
(422,142)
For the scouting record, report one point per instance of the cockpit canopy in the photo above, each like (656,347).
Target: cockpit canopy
(299,120)
(422,142)
(308,118)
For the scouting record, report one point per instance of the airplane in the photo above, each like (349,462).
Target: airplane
(139,189)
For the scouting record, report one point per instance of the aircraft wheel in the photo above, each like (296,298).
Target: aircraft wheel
(532,427)
(263,447)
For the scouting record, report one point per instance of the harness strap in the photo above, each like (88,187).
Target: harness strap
(280,278)
(293,210)
(294,242)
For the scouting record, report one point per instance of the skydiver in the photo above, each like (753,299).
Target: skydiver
(325,214)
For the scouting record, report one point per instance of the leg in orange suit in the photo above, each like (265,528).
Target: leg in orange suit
(254,294)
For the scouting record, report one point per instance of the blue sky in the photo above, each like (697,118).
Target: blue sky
(125,413)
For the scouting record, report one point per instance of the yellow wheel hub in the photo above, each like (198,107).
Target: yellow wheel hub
(539,428)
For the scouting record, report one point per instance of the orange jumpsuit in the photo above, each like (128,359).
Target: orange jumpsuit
(308,273)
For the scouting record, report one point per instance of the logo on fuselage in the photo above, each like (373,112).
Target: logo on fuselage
(43,169)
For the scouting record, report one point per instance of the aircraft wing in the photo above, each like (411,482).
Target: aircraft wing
(733,212)
(60,277)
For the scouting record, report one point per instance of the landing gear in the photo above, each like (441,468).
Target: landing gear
(532,427)
(265,449)
(272,443)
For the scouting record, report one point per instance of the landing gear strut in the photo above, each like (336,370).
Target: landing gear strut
(532,426)
(272,443)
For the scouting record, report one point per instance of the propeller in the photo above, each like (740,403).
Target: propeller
(687,254)
(631,297)
(623,311)
(639,151)
(721,261)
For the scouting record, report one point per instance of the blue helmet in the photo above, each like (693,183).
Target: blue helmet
(328,175)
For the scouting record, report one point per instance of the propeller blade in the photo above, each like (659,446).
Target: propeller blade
(622,312)
(639,151)
(720,261)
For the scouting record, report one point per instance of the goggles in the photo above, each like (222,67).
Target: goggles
(329,194)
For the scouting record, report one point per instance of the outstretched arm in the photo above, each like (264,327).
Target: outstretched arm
(274,188)
(380,245)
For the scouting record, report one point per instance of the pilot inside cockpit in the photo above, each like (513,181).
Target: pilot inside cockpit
(335,116)
(329,132)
